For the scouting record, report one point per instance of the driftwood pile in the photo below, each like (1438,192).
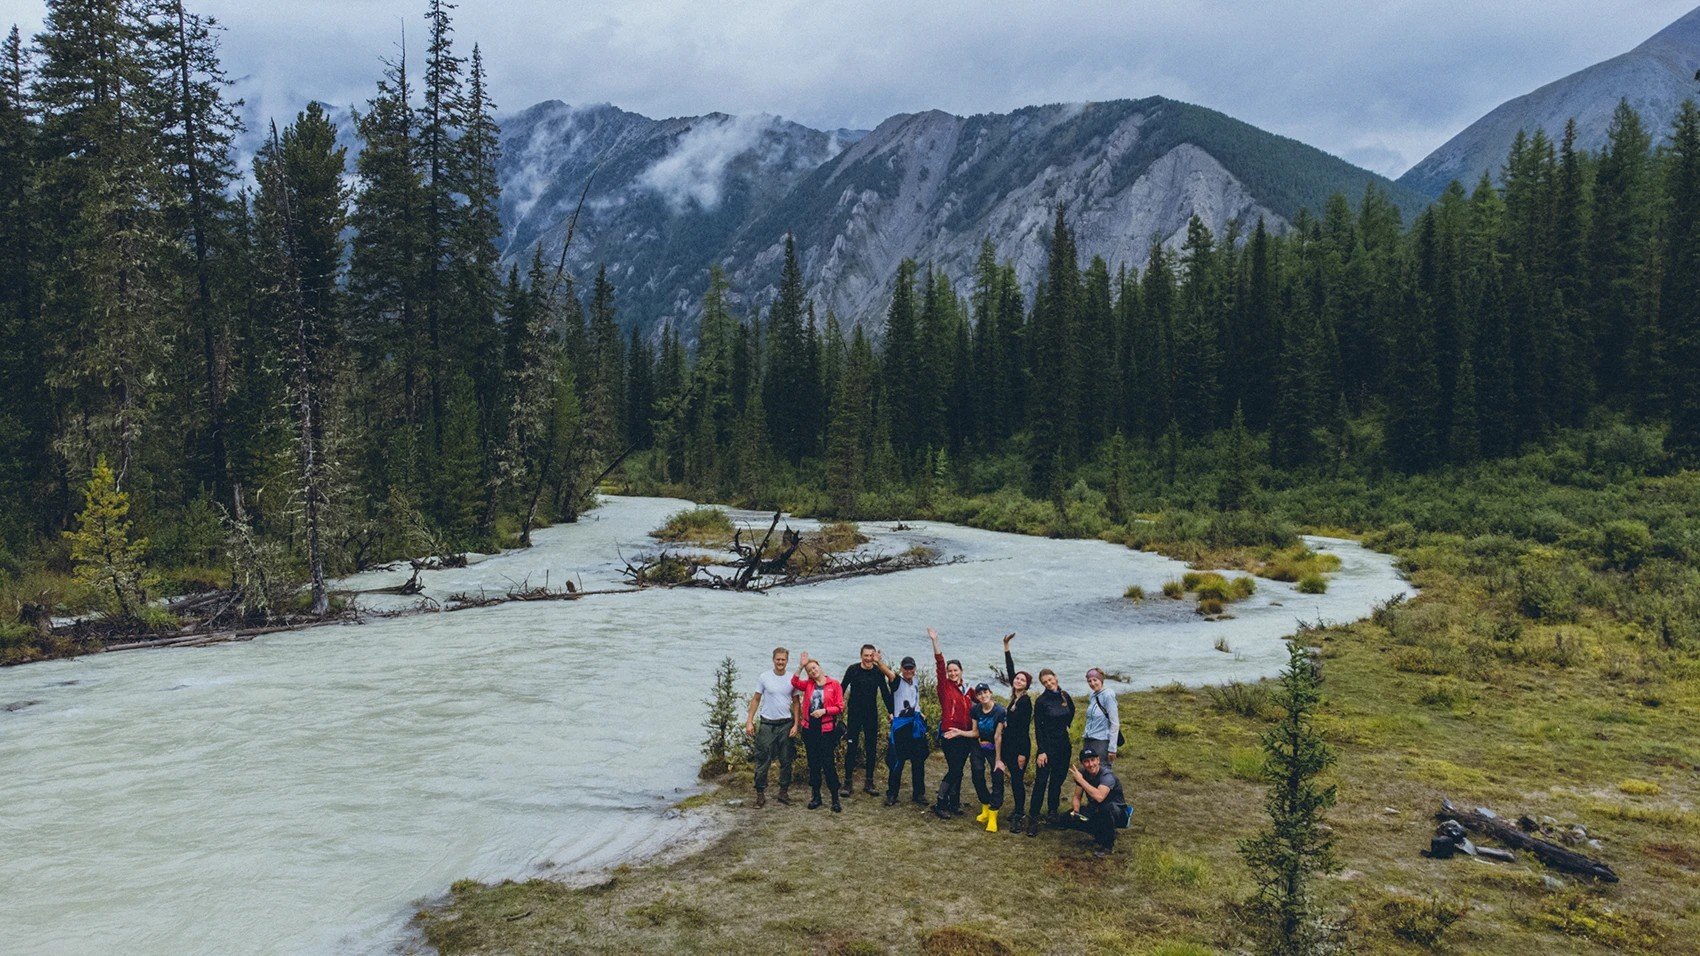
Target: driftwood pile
(1455,821)
(764,564)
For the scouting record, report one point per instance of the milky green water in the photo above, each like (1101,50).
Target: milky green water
(299,792)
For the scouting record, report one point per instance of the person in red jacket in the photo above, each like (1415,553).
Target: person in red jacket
(823,702)
(956,728)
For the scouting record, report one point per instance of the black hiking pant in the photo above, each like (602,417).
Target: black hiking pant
(912,751)
(1017,781)
(984,760)
(1048,780)
(864,730)
(956,750)
(823,760)
(1100,822)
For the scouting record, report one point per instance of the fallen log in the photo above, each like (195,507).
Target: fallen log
(1484,821)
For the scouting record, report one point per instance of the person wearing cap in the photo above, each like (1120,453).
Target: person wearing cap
(907,743)
(989,719)
(956,728)
(1097,800)
(1017,734)
(1053,719)
(1103,724)
(774,704)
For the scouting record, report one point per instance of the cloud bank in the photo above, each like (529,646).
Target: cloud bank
(1379,84)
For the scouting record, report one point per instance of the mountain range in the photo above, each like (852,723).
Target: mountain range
(1655,78)
(668,198)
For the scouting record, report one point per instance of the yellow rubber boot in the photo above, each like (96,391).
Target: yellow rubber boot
(983,811)
(991,821)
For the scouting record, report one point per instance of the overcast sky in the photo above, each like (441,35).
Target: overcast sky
(1380,84)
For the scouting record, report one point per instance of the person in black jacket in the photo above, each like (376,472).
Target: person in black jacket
(1017,733)
(1053,715)
(864,685)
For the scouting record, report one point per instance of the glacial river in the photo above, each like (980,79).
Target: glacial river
(298,793)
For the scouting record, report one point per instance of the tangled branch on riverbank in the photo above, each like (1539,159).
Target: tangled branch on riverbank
(797,558)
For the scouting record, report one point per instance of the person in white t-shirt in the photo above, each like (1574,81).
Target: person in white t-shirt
(772,721)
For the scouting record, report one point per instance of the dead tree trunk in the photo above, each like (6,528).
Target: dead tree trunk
(1484,821)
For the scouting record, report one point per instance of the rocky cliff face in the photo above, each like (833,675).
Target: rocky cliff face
(1655,78)
(670,197)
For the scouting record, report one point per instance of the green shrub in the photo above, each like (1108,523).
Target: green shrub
(157,619)
(1245,700)
(1313,583)
(1418,920)
(1174,589)
(1624,545)
(1445,692)
(701,525)
(1134,593)
(1242,587)
(1210,607)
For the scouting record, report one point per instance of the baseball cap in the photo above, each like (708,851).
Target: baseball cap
(1086,752)
(908,662)
(982,686)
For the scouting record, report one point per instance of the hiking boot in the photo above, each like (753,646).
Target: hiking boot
(868,788)
(1016,822)
(837,807)
(845,790)
(919,799)
(784,796)
(1032,826)
(761,799)
(943,813)
(891,799)
(814,804)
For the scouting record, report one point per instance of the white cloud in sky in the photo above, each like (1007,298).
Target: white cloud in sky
(1381,84)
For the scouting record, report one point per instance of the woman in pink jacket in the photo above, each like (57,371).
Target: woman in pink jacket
(823,702)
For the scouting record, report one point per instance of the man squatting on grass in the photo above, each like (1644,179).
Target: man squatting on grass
(1097,800)
(998,740)
(775,706)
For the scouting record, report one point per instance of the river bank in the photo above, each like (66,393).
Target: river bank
(1537,739)
(303,790)
(1549,667)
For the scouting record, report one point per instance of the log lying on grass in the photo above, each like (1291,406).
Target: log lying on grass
(1484,821)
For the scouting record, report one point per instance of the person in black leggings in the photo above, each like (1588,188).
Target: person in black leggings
(1053,715)
(1017,740)
(864,685)
(822,704)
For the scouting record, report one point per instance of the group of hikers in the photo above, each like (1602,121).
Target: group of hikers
(999,742)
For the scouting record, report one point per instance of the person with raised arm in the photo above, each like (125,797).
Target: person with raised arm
(1017,734)
(772,722)
(822,703)
(864,686)
(956,729)
(908,739)
(1053,717)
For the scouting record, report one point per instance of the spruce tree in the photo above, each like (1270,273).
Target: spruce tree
(106,558)
(1679,297)
(1296,845)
